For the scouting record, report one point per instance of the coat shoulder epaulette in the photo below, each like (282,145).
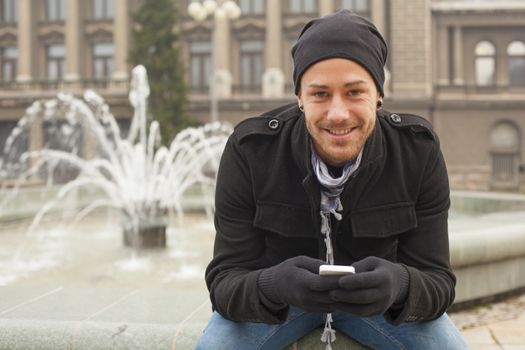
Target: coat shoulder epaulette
(411,122)
(269,123)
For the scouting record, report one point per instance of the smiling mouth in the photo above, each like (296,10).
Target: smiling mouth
(340,131)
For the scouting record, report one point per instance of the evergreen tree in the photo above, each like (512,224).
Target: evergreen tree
(154,45)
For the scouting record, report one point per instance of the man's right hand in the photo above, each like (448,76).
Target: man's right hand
(296,282)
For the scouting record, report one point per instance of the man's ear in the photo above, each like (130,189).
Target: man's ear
(379,103)
(299,100)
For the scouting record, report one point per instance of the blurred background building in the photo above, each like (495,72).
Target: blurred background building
(461,64)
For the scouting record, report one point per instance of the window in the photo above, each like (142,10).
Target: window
(360,7)
(485,63)
(516,55)
(502,167)
(8,58)
(67,137)
(303,6)
(6,127)
(251,64)
(252,7)
(103,9)
(55,10)
(200,65)
(102,60)
(55,61)
(8,11)
(504,146)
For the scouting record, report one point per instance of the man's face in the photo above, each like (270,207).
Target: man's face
(340,100)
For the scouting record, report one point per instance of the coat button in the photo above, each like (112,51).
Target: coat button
(395,118)
(273,124)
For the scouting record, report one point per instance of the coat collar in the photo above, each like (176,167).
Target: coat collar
(300,143)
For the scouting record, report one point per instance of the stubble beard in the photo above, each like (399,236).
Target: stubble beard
(338,155)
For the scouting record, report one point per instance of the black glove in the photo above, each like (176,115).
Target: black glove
(296,282)
(376,286)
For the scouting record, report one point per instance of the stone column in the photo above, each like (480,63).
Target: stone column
(273,77)
(326,7)
(501,69)
(121,26)
(377,14)
(73,40)
(411,48)
(458,56)
(378,17)
(221,42)
(25,41)
(89,143)
(36,137)
(443,51)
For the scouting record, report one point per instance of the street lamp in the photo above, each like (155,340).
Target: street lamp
(220,10)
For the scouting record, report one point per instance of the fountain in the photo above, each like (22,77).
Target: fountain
(144,180)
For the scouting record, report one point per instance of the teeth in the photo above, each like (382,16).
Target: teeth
(340,132)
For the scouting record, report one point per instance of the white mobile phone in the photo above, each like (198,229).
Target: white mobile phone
(335,270)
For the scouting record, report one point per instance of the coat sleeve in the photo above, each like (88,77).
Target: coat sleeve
(425,250)
(239,248)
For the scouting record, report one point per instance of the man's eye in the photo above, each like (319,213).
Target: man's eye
(354,92)
(320,94)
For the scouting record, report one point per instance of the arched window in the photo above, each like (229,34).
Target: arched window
(302,6)
(8,63)
(485,63)
(8,11)
(252,7)
(55,61)
(251,65)
(103,60)
(504,148)
(55,10)
(200,66)
(516,56)
(361,7)
(103,9)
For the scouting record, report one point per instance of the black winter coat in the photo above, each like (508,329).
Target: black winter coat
(395,206)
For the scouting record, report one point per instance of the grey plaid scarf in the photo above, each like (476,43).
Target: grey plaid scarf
(331,189)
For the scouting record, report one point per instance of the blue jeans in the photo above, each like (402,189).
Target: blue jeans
(373,332)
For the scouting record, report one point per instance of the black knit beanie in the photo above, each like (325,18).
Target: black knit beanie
(340,35)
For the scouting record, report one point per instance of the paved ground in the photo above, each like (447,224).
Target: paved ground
(494,326)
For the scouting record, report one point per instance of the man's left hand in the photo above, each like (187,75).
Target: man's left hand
(373,289)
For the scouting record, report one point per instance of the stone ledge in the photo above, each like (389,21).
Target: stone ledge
(43,318)
(488,256)
(173,318)
(87,335)
(44,334)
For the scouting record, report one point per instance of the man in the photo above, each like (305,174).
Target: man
(332,179)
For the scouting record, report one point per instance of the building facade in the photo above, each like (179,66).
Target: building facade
(458,63)
(47,46)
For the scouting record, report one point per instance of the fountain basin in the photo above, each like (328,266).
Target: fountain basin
(487,245)
(93,294)
(148,234)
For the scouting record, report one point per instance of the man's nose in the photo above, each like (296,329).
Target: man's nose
(338,111)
